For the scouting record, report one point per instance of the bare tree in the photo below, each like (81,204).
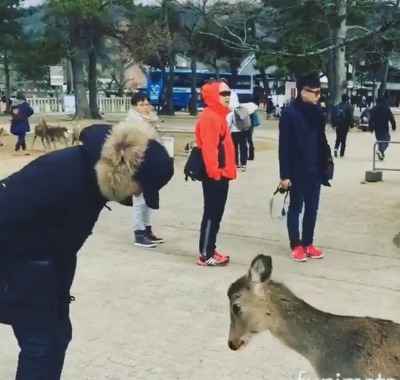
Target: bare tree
(282,18)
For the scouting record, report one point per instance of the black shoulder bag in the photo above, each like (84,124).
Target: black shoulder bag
(195,169)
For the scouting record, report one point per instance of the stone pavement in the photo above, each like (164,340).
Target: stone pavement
(155,315)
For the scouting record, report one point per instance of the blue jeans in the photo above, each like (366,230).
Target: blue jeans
(21,143)
(42,351)
(305,191)
(382,136)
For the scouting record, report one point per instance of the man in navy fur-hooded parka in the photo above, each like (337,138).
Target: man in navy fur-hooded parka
(47,211)
(305,163)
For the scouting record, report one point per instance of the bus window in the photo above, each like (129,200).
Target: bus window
(243,82)
(182,80)
(201,79)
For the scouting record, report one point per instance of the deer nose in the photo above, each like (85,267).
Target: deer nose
(232,345)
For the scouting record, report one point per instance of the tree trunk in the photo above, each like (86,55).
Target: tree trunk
(121,75)
(374,88)
(193,89)
(94,111)
(68,75)
(82,110)
(264,80)
(385,73)
(339,59)
(330,74)
(8,81)
(234,64)
(215,67)
(170,85)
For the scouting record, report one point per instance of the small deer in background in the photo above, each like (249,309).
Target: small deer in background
(354,347)
(76,132)
(49,134)
(3,132)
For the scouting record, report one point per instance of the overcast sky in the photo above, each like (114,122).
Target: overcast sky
(31,3)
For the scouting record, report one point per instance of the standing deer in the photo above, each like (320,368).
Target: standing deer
(354,347)
(49,134)
(3,132)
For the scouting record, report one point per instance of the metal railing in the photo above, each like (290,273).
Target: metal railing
(374,168)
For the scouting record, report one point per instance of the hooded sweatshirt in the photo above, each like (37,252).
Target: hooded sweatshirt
(211,128)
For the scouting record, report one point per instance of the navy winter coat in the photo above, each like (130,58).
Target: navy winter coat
(295,122)
(47,211)
(20,122)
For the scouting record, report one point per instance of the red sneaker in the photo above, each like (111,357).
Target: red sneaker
(299,254)
(213,261)
(313,252)
(221,256)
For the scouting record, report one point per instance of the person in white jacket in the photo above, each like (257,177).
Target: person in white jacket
(144,236)
(239,137)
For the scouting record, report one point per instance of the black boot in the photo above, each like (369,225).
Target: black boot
(152,237)
(251,155)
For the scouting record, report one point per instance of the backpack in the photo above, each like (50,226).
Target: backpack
(338,116)
(255,120)
(241,118)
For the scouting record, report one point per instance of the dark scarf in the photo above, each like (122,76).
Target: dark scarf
(313,113)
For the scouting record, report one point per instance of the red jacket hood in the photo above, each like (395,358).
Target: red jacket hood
(210,96)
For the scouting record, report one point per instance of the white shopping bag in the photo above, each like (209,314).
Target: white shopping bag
(277,208)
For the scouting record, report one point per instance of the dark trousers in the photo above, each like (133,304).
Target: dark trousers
(305,192)
(249,136)
(42,351)
(341,137)
(20,142)
(240,143)
(215,194)
(382,136)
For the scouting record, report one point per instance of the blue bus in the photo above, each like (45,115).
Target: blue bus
(182,84)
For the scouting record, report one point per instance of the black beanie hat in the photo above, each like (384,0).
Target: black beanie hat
(311,80)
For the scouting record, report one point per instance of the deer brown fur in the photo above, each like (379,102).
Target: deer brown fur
(49,134)
(354,347)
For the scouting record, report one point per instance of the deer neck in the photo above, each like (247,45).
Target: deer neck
(295,323)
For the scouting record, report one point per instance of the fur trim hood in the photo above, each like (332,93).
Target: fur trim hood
(127,162)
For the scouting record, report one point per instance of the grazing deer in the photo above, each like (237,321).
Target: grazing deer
(354,347)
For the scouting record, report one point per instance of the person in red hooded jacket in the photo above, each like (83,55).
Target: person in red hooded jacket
(215,141)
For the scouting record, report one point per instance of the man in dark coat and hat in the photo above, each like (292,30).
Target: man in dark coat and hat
(47,211)
(305,163)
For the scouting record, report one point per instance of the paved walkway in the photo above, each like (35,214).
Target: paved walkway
(155,315)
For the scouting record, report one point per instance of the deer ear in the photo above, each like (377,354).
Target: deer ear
(260,269)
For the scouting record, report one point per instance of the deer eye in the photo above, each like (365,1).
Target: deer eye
(236,309)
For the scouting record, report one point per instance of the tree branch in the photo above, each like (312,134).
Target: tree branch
(251,48)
